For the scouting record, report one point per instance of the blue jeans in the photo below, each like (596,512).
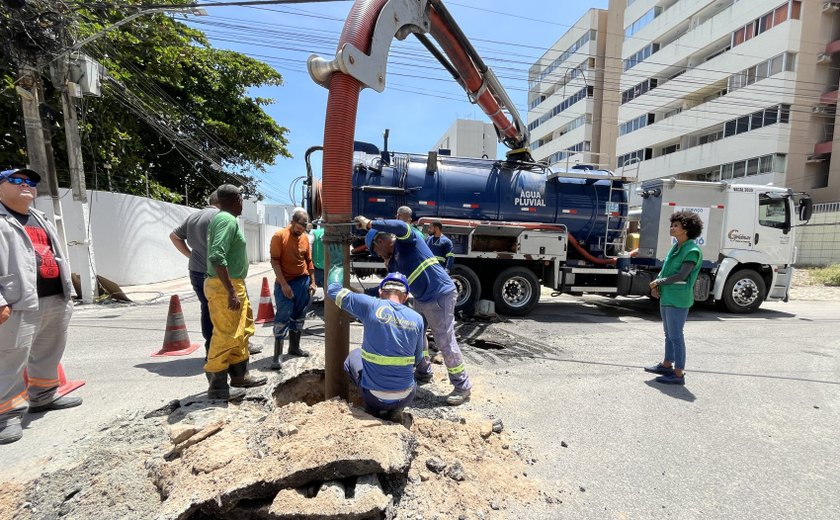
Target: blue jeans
(197,281)
(290,314)
(673,321)
(354,368)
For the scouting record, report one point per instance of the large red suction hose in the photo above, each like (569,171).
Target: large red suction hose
(342,106)
(446,38)
(337,174)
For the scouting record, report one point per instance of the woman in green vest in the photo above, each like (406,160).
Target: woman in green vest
(675,289)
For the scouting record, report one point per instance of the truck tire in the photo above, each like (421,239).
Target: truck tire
(744,291)
(468,287)
(516,291)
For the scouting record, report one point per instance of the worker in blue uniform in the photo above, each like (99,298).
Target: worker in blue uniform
(440,246)
(433,290)
(393,343)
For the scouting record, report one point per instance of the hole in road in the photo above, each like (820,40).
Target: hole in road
(487,345)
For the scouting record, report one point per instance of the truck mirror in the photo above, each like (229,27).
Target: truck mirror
(805,209)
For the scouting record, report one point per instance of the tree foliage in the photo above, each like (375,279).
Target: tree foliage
(174,111)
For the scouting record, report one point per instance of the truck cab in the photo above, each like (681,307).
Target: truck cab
(747,242)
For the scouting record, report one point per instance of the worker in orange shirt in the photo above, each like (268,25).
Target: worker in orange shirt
(291,259)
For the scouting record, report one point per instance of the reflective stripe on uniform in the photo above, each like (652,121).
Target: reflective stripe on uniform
(407,234)
(43,383)
(425,353)
(340,296)
(422,267)
(393,361)
(13,402)
(450,254)
(441,258)
(456,370)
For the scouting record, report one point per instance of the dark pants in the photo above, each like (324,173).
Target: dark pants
(197,280)
(353,366)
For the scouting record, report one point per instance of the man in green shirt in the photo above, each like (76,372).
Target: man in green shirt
(227,298)
(318,255)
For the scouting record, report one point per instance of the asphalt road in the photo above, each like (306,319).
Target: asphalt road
(752,435)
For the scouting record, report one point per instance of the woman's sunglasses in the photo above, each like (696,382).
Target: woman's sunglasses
(20,180)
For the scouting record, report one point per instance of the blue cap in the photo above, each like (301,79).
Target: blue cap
(369,239)
(394,278)
(32,174)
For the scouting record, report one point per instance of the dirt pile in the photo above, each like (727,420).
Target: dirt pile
(264,458)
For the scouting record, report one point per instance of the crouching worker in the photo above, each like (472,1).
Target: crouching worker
(393,343)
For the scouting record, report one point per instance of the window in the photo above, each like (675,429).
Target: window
(776,64)
(726,172)
(752,166)
(729,128)
(738,169)
(771,116)
(784,113)
(767,21)
(670,149)
(643,20)
(772,211)
(756,120)
(742,124)
(765,164)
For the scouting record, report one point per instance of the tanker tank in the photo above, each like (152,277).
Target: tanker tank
(489,190)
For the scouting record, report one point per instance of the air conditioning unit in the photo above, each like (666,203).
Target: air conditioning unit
(830,7)
(823,59)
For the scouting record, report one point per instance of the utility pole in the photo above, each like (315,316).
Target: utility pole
(38,145)
(81,236)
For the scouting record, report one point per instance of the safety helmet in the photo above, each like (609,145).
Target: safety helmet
(391,280)
(369,239)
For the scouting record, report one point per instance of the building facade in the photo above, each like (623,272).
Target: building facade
(733,90)
(573,95)
(469,138)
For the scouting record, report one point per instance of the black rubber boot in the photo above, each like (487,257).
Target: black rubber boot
(294,344)
(219,389)
(240,378)
(277,358)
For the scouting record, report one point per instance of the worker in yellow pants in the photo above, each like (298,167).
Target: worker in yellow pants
(230,345)
(227,300)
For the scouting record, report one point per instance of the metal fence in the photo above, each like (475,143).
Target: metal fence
(818,242)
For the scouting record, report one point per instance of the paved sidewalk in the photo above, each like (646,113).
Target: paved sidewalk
(161,291)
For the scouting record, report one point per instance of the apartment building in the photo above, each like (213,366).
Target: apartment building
(572,92)
(734,90)
(469,138)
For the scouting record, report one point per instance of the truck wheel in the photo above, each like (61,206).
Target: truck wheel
(744,291)
(516,291)
(468,287)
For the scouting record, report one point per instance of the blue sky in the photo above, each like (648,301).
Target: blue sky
(420,101)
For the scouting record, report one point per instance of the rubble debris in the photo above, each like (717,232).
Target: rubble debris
(456,471)
(435,465)
(200,436)
(366,499)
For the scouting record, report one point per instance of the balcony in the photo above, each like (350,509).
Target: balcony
(832,47)
(823,148)
(829,98)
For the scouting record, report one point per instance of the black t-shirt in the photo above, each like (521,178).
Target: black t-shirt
(49,276)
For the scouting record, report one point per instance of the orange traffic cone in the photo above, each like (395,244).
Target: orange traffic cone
(176,341)
(64,386)
(265,313)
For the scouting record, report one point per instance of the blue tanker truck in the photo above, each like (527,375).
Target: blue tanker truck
(519,226)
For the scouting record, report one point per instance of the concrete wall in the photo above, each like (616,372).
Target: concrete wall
(131,235)
(819,241)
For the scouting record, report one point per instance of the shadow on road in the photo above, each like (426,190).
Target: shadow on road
(183,367)
(677,392)
(599,309)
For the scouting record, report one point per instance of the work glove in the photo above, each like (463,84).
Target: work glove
(362,223)
(336,275)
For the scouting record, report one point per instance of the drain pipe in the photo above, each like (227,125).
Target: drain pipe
(337,169)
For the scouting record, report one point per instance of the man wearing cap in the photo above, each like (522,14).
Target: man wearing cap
(35,305)
(434,294)
(393,343)
(294,285)
(227,299)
